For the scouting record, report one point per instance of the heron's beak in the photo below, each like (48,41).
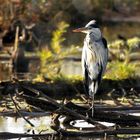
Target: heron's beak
(83,29)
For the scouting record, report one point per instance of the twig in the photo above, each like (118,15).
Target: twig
(16,38)
(18,111)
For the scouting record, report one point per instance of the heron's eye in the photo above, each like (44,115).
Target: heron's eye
(89,27)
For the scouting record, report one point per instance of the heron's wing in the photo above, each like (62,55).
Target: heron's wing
(90,66)
(97,57)
(91,72)
(94,60)
(104,54)
(86,80)
(104,42)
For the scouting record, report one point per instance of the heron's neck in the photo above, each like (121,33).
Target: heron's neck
(95,34)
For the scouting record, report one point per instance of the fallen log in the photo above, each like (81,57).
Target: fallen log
(63,109)
(8,135)
(39,99)
(102,115)
(100,133)
(60,89)
(23,113)
(109,114)
(64,133)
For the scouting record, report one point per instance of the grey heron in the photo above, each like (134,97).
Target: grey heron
(94,58)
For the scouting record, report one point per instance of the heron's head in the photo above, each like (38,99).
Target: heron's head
(91,27)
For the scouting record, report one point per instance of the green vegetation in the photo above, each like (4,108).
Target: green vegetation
(57,40)
(133,42)
(120,70)
(121,67)
(51,58)
(120,44)
(73,79)
(50,15)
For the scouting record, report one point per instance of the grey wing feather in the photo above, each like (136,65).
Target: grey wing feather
(94,60)
(104,42)
(104,54)
(97,59)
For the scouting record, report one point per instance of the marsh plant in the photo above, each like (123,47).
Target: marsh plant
(51,57)
(122,67)
(120,70)
(122,48)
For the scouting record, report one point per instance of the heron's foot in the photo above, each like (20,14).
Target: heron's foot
(92,111)
(91,106)
(89,101)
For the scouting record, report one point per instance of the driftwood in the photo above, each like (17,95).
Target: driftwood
(64,133)
(101,112)
(23,113)
(63,109)
(100,132)
(36,97)
(62,88)
(8,135)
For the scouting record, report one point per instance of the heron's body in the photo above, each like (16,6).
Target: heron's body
(94,57)
(94,60)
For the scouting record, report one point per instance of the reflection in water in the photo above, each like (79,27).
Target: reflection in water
(19,125)
(9,124)
(42,124)
(71,68)
(68,67)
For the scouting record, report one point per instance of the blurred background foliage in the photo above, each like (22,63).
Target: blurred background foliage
(74,12)
(48,24)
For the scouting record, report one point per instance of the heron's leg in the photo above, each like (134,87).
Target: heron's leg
(91,103)
(92,91)
(92,106)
